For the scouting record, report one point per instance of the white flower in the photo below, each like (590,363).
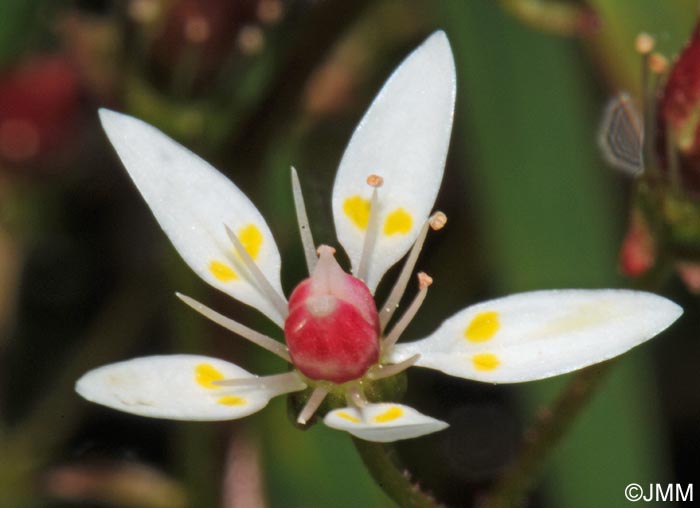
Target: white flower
(384,191)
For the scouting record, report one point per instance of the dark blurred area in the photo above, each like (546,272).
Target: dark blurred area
(255,86)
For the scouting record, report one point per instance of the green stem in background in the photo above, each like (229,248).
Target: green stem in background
(542,438)
(383,464)
(559,18)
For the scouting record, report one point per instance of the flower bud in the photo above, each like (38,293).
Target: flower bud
(638,252)
(40,113)
(679,115)
(333,328)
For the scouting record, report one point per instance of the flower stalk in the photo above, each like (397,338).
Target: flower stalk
(383,464)
(542,438)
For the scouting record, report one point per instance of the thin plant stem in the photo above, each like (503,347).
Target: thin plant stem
(551,426)
(383,464)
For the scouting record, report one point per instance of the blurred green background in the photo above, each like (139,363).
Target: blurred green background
(87,277)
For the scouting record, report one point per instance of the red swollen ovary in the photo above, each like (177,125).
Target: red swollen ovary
(333,329)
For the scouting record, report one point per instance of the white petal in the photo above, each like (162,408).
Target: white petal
(192,201)
(541,334)
(177,387)
(403,138)
(384,422)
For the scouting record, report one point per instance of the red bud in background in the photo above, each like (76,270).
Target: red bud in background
(638,252)
(39,112)
(689,272)
(679,114)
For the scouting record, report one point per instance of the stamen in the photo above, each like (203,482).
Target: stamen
(307,239)
(384,371)
(435,222)
(312,405)
(280,383)
(658,63)
(257,338)
(424,281)
(263,284)
(355,397)
(644,44)
(674,170)
(374,181)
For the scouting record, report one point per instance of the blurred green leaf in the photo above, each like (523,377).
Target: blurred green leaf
(17,26)
(528,119)
(670,22)
(317,467)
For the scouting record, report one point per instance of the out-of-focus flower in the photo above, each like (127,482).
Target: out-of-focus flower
(662,150)
(40,112)
(198,36)
(679,116)
(336,335)
(638,252)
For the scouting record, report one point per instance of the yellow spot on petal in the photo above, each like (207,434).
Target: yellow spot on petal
(348,417)
(357,210)
(231,400)
(251,238)
(483,327)
(389,415)
(222,271)
(485,361)
(398,221)
(205,374)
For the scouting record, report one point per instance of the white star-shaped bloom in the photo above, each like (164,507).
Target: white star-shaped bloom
(335,334)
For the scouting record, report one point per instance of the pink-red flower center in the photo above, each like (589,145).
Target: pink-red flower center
(332,330)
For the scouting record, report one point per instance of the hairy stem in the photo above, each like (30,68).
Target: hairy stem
(383,464)
(543,436)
